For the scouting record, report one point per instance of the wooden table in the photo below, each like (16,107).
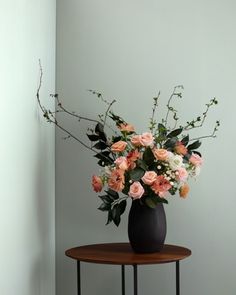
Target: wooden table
(122,254)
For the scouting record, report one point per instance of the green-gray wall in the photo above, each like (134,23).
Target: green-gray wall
(129,50)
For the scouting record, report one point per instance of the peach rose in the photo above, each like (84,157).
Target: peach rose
(116,180)
(119,146)
(97,183)
(180,148)
(161,185)
(132,157)
(136,140)
(126,127)
(147,139)
(136,190)
(181,174)
(122,163)
(149,177)
(160,154)
(184,190)
(196,160)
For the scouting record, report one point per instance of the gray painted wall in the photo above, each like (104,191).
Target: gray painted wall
(27,211)
(129,50)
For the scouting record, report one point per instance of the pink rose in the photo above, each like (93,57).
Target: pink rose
(161,185)
(126,127)
(136,140)
(147,139)
(116,180)
(136,190)
(160,154)
(196,160)
(149,177)
(97,183)
(119,146)
(122,163)
(181,174)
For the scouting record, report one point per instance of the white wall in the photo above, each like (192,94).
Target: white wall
(129,50)
(27,30)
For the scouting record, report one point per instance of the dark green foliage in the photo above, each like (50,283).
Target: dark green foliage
(114,207)
(185,140)
(104,158)
(170,143)
(100,145)
(194,145)
(136,174)
(99,130)
(93,137)
(148,156)
(174,133)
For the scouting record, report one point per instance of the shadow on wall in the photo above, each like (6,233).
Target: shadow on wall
(43,277)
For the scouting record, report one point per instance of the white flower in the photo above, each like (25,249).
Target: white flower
(107,171)
(175,162)
(197,170)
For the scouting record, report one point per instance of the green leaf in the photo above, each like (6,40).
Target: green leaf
(162,200)
(112,194)
(116,138)
(194,145)
(104,156)
(100,131)
(196,152)
(148,156)
(106,199)
(151,201)
(109,217)
(122,206)
(101,163)
(104,207)
(99,128)
(101,145)
(175,133)
(115,211)
(162,129)
(170,143)
(93,137)
(136,174)
(185,140)
(142,164)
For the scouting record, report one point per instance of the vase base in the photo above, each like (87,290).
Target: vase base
(146,248)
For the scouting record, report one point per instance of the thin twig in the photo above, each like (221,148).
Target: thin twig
(108,109)
(168,103)
(73,114)
(50,116)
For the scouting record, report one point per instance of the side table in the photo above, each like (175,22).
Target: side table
(122,254)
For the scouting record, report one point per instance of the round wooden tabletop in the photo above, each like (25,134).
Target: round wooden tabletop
(122,254)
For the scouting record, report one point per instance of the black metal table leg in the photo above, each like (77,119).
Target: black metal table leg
(123,279)
(135,279)
(78,278)
(177,279)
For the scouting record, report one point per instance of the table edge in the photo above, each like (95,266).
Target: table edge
(96,261)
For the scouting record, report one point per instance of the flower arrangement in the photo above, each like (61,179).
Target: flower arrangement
(149,166)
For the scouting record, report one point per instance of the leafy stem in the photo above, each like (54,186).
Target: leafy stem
(169,107)
(155,105)
(200,120)
(117,201)
(212,135)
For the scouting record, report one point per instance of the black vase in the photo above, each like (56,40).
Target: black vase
(146,227)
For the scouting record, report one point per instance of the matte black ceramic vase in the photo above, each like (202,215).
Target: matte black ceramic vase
(146,227)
